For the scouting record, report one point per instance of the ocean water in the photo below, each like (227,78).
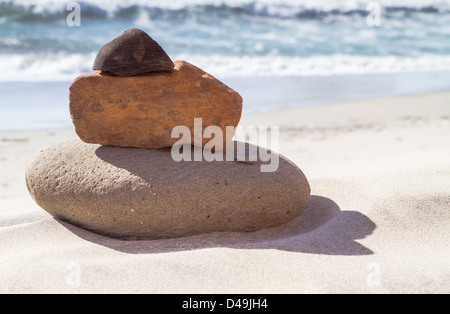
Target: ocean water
(276,53)
(230,38)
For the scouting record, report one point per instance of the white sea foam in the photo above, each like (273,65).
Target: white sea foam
(277,66)
(63,67)
(51,67)
(45,49)
(272,7)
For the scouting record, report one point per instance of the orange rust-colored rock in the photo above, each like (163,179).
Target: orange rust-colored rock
(141,111)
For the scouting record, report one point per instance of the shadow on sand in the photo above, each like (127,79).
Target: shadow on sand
(321,228)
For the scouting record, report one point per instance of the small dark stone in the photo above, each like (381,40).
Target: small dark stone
(132,53)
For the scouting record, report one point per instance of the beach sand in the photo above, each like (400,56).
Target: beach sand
(378,220)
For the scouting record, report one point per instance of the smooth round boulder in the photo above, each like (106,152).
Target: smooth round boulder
(139,193)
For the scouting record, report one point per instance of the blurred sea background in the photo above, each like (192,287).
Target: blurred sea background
(276,53)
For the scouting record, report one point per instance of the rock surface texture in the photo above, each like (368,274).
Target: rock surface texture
(132,53)
(139,193)
(141,111)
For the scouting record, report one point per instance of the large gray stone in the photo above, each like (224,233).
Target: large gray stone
(139,193)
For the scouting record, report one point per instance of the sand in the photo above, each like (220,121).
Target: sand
(377,221)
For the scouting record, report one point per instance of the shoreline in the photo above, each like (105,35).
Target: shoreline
(45,105)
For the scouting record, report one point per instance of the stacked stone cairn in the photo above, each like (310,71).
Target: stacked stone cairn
(121,179)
